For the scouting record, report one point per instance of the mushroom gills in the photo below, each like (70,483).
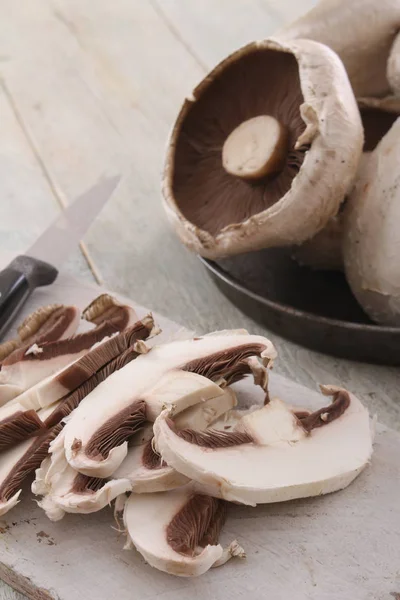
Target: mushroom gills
(66,491)
(144,468)
(177,374)
(26,366)
(97,364)
(46,324)
(17,424)
(177,531)
(19,462)
(271,455)
(258,161)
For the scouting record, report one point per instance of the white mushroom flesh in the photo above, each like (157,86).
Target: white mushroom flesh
(77,373)
(145,469)
(28,366)
(371,242)
(18,462)
(270,456)
(175,531)
(66,491)
(167,375)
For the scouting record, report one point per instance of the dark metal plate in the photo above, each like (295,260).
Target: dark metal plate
(313,308)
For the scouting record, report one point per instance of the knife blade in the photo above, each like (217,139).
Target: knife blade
(31,270)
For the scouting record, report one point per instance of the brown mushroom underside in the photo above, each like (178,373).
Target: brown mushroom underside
(197,524)
(46,324)
(262,82)
(71,401)
(231,365)
(150,459)
(30,461)
(19,426)
(224,439)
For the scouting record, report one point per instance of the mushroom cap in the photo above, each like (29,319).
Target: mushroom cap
(393,66)
(325,250)
(362,34)
(217,214)
(371,245)
(270,456)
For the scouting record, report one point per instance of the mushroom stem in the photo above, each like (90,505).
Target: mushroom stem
(256,149)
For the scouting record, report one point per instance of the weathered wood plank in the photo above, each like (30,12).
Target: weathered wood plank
(27,204)
(212,30)
(289,10)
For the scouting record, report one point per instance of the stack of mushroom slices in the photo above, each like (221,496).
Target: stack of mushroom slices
(162,424)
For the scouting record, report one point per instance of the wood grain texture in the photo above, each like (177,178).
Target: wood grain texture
(97,86)
(27,203)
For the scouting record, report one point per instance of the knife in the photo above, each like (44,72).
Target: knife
(31,270)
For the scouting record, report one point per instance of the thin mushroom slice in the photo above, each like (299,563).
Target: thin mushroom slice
(371,233)
(66,491)
(272,455)
(27,366)
(107,308)
(46,324)
(180,373)
(145,469)
(255,161)
(79,372)
(177,531)
(19,462)
(108,446)
(17,424)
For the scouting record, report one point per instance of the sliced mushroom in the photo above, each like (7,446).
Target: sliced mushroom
(265,151)
(85,370)
(371,233)
(17,424)
(325,250)
(272,455)
(362,33)
(177,531)
(67,491)
(144,468)
(19,462)
(46,324)
(107,308)
(179,373)
(27,366)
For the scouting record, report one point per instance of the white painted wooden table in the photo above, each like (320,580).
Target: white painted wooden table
(90,87)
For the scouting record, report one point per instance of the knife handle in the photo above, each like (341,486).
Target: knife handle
(17,282)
